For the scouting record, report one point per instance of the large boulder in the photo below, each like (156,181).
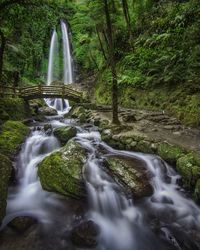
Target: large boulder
(12,134)
(79,112)
(5,173)
(61,171)
(64,134)
(130,174)
(47,111)
(84,234)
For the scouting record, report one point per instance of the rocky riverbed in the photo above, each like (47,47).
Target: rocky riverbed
(65,172)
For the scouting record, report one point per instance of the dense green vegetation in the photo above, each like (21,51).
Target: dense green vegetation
(153,50)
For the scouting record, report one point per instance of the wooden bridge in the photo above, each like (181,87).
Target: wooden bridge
(42,91)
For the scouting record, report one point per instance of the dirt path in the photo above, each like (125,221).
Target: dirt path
(155,125)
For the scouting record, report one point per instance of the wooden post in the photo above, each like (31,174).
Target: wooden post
(63,91)
(40,89)
(20,92)
(14,92)
(1,90)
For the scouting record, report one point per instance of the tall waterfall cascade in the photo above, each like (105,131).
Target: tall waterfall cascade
(61,105)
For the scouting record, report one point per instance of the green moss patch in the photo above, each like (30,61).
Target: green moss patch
(12,134)
(5,173)
(170,153)
(61,171)
(189,168)
(64,134)
(15,108)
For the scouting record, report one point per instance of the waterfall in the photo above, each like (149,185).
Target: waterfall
(61,105)
(68,75)
(53,53)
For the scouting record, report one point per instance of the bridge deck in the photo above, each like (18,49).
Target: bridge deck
(42,91)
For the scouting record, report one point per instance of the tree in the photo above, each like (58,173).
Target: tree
(112,61)
(2,48)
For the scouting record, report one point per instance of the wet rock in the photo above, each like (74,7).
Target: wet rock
(64,134)
(96,121)
(22,223)
(129,118)
(5,174)
(28,121)
(61,171)
(48,129)
(12,134)
(84,235)
(131,174)
(47,111)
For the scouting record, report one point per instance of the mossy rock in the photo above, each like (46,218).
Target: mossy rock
(12,134)
(188,167)
(170,153)
(61,171)
(5,173)
(4,116)
(64,134)
(131,174)
(22,223)
(15,108)
(144,146)
(76,112)
(197,191)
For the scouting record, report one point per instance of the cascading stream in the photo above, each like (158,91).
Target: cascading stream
(28,198)
(124,226)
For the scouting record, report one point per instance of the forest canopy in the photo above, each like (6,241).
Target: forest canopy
(155,42)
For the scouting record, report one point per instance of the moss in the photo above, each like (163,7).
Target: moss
(197,190)
(189,168)
(144,146)
(16,108)
(170,153)
(64,134)
(12,134)
(62,171)
(5,173)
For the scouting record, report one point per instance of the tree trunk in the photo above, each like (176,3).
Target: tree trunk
(115,118)
(101,44)
(2,48)
(127,18)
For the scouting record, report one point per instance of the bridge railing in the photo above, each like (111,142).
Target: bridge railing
(9,91)
(39,91)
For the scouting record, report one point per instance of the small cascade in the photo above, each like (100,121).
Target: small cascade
(164,220)
(61,105)
(125,225)
(28,198)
